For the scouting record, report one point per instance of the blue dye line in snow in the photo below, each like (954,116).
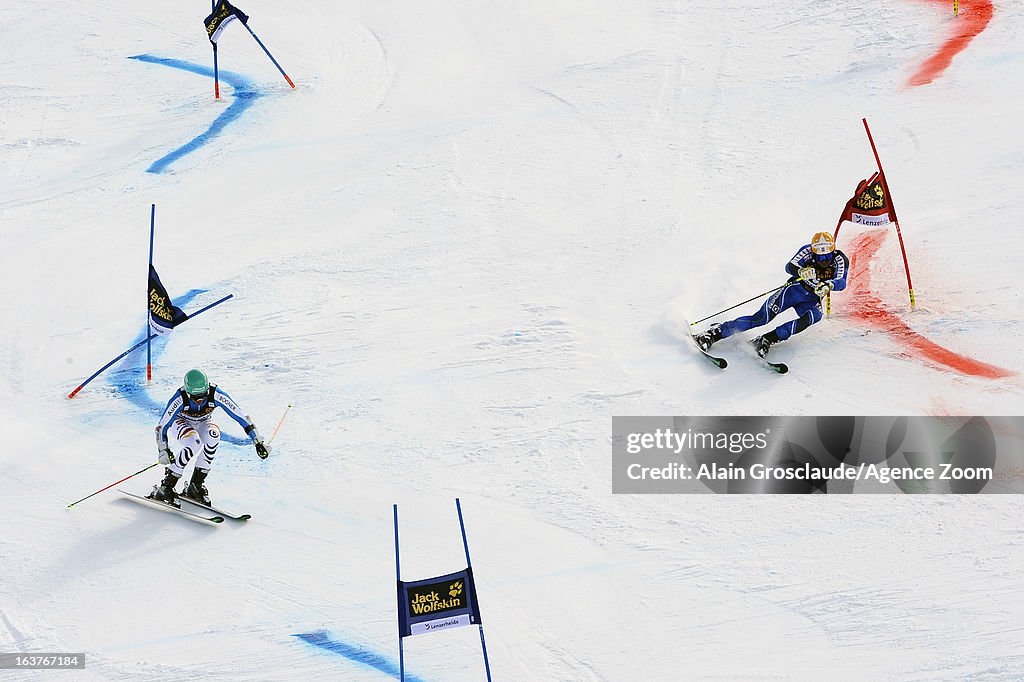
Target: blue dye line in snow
(388,666)
(245,96)
(130,381)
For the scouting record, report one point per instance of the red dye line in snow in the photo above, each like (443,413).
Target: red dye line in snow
(974,17)
(868,309)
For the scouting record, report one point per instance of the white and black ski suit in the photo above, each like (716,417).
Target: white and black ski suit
(187,429)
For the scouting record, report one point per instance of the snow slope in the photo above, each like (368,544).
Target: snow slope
(463,243)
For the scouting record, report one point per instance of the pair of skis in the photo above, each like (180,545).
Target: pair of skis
(211,513)
(722,363)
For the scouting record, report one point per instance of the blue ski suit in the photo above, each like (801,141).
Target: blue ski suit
(797,294)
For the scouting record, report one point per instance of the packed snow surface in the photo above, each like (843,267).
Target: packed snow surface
(466,240)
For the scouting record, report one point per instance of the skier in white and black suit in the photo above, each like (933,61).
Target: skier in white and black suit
(186,432)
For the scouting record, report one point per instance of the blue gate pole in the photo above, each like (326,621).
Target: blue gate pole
(260,43)
(398,578)
(205,308)
(149,349)
(149,336)
(216,75)
(469,564)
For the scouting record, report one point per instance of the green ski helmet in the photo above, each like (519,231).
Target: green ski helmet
(196,383)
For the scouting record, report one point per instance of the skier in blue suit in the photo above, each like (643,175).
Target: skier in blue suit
(187,428)
(815,270)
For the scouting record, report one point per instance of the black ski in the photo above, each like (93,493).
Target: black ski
(216,510)
(720,363)
(779,367)
(171,508)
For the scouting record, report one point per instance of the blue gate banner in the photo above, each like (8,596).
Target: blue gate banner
(441,603)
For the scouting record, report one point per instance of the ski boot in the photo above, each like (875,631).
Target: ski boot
(164,492)
(764,342)
(195,490)
(708,337)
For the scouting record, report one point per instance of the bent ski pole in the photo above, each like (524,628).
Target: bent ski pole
(113,484)
(752,298)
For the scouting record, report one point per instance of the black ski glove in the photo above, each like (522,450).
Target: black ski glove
(262,450)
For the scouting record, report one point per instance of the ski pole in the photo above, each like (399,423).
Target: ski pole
(752,298)
(278,427)
(113,484)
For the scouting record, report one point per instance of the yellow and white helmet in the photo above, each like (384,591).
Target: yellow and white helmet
(823,246)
